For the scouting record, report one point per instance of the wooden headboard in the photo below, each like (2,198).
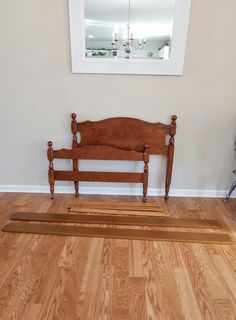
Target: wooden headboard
(125,133)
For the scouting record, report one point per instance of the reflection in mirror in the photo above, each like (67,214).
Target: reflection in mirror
(125,29)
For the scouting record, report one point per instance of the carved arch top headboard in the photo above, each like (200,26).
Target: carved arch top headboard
(125,133)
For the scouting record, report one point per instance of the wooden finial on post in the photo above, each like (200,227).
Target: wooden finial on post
(74,130)
(51,179)
(146,171)
(170,156)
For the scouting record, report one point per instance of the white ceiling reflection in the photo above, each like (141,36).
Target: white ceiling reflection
(149,18)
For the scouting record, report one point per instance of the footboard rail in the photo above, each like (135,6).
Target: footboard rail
(95,152)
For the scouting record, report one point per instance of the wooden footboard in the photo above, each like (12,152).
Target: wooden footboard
(97,153)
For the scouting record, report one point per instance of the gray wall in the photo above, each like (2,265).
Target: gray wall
(38,93)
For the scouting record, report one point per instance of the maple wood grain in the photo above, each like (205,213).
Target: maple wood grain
(116,220)
(130,234)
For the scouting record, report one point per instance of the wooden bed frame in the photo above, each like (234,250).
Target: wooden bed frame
(114,139)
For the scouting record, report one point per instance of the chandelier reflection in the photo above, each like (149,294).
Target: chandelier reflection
(129,43)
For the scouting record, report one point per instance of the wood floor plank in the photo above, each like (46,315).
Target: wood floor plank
(46,277)
(25,277)
(11,248)
(67,306)
(137,299)
(196,275)
(188,301)
(229,277)
(103,293)
(32,311)
(106,257)
(135,259)
(212,280)
(56,296)
(163,265)
(120,297)
(90,281)
(116,220)
(72,301)
(225,309)
(118,233)
(154,298)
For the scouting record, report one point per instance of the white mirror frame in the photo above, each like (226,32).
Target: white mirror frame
(173,66)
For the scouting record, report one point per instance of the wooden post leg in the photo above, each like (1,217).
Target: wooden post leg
(145,173)
(170,156)
(51,178)
(76,188)
(169,170)
(75,145)
(144,191)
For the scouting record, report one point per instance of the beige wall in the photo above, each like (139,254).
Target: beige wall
(38,92)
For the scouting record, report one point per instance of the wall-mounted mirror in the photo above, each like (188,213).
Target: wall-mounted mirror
(128,36)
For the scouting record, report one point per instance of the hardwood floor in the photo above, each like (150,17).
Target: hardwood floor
(46,277)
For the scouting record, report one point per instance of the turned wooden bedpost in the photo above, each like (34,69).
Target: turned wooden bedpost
(170,156)
(51,179)
(146,171)
(75,145)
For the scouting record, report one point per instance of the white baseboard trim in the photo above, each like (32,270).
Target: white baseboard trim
(116,191)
